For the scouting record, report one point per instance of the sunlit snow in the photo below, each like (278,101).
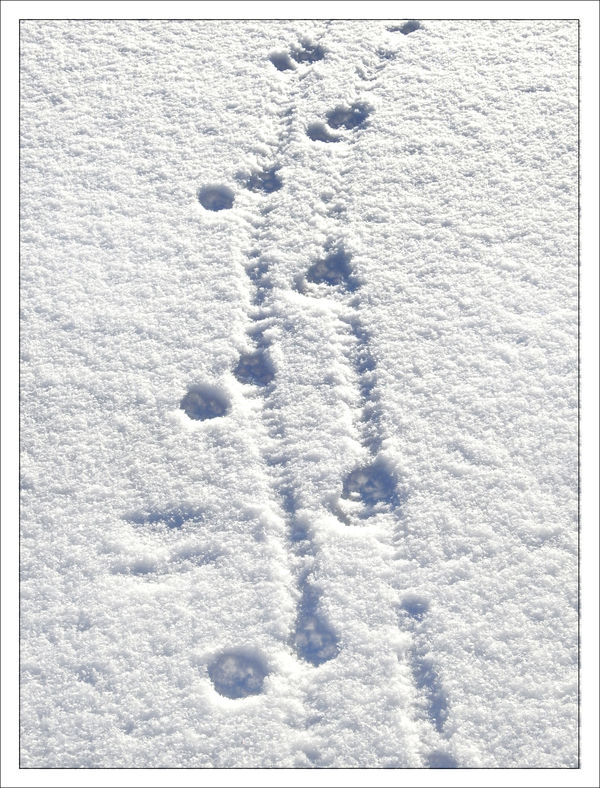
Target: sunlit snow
(299,393)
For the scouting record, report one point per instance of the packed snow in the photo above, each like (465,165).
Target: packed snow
(299,393)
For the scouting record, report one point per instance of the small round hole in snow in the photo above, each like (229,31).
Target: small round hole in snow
(215,198)
(236,674)
(204,402)
(281,61)
(406,28)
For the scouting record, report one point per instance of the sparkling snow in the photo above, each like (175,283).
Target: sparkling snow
(299,393)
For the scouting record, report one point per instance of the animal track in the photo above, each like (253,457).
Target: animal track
(308,52)
(438,759)
(427,680)
(318,132)
(406,28)
(237,674)
(265,181)
(371,485)
(216,198)
(333,269)
(415,606)
(254,368)
(281,61)
(314,640)
(204,402)
(348,117)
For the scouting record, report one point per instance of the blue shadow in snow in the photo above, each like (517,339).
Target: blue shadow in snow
(364,360)
(415,606)
(216,198)
(281,61)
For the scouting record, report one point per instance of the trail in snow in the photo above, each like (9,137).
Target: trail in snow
(314,640)
(370,488)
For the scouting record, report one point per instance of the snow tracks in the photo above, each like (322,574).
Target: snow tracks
(307,360)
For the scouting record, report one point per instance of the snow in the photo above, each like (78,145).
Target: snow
(299,393)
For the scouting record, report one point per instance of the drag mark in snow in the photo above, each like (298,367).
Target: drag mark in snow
(314,640)
(412,617)
(170,518)
(372,487)
(428,682)
(365,368)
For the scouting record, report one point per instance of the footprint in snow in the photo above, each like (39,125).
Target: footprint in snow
(237,673)
(266,181)
(204,402)
(314,640)
(318,132)
(438,759)
(282,61)
(341,117)
(254,368)
(334,269)
(307,52)
(371,484)
(415,606)
(215,198)
(348,117)
(406,28)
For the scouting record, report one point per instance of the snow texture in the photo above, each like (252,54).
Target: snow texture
(299,393)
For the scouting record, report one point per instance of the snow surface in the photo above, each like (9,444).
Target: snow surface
(299,394)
